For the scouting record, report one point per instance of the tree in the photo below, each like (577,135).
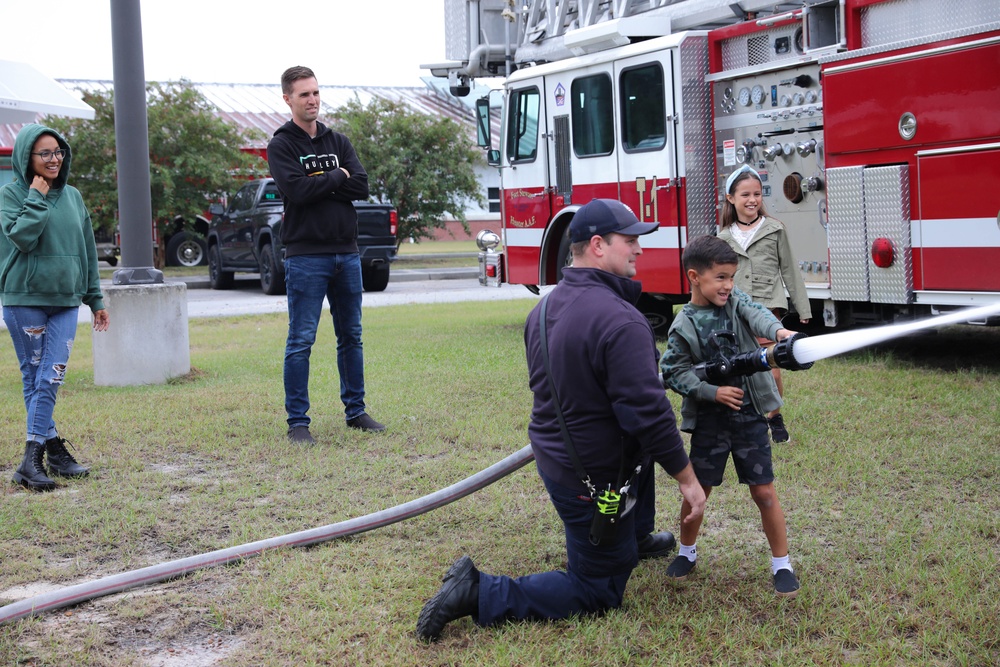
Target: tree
(194,156)
(423,165)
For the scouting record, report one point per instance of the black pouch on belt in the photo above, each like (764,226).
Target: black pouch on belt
(608,508)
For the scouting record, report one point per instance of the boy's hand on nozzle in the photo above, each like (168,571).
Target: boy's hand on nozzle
(785,333)
(731,397)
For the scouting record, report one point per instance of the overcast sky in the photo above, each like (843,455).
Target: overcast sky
(346,42)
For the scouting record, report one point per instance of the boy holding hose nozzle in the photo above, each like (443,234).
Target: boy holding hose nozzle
(713,360)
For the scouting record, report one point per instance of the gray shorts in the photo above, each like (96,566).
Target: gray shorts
(720,431)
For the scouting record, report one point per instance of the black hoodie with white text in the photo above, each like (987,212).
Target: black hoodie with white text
(319,216)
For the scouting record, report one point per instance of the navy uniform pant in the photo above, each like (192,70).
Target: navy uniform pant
(595,578)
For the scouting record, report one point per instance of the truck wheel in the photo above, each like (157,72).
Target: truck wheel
(186,249)
(218,278)
(659,314)
(375,278)
(112,261)
(272,273)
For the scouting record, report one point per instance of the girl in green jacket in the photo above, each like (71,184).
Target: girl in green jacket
(767,267)
(48,268)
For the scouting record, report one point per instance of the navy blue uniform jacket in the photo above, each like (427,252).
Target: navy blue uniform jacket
(604,363)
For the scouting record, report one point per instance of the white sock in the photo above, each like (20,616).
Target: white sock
(689,552)
(783,563)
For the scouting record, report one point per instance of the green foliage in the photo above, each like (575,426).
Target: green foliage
(194,156)
(423,165)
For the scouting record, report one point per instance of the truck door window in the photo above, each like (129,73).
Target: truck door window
(644,120)
(522,125)
(243,199)
(592,115)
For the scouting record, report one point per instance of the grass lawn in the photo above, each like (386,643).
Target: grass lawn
(891,489)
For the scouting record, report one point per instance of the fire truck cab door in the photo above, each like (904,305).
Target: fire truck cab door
(526,192)
(647,161)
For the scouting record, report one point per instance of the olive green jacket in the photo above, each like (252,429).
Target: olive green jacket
(767,268)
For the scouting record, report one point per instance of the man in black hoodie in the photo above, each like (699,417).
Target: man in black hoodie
(319,175)
(603,368)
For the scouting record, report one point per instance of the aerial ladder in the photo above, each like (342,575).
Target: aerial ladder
(489,38)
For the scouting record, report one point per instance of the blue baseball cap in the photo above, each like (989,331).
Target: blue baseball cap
(606,216)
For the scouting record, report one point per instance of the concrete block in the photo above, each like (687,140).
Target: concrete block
(147,341)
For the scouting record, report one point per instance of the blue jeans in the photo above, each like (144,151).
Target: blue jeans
(43,338)
(308,279)
(595,576)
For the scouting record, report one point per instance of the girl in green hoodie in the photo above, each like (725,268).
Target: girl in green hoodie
(48,268)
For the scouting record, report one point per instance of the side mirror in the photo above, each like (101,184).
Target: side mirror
(493,157)
(483,122)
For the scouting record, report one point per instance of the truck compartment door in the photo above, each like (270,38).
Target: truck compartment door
(957,238)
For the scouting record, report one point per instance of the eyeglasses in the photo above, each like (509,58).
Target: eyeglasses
(48,156)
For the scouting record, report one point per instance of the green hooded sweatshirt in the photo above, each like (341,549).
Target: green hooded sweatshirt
(47,252)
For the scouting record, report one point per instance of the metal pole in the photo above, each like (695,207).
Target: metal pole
(135,211)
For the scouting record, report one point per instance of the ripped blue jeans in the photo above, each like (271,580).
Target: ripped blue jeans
(43,338)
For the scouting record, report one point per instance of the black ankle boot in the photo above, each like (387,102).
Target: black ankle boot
(30,473)
(458,597)
(61,462)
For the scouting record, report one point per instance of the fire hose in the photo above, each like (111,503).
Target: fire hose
(75,594)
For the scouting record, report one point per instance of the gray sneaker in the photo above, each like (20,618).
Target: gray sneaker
(301,434)
(779,434)
(365,423)
(786,584)
(680,568)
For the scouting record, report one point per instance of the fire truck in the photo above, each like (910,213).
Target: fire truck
(873,124)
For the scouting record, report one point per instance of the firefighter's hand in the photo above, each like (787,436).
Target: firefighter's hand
(731,397)
(693,493)
(101,320)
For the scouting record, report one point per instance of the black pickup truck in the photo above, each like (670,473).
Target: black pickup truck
(246,236)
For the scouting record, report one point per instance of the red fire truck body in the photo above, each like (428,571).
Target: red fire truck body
(659,162)
(873,124)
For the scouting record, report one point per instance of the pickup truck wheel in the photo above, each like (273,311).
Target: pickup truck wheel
(375,278)
(218,278)
(185,249)
(272,273)
(112,261)
(659,314)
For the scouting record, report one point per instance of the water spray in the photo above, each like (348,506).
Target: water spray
(829,345)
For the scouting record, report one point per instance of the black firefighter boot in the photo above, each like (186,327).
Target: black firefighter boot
(31,473)
(61,462)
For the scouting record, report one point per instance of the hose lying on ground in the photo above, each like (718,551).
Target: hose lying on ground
(71,595)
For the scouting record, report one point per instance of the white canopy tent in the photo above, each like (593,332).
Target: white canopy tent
(25,92)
